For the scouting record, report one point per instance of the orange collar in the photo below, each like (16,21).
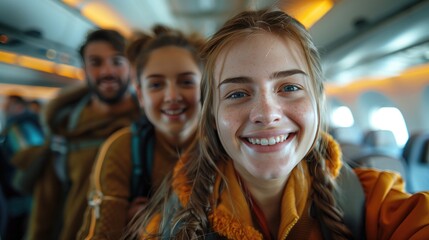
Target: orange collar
(232,218)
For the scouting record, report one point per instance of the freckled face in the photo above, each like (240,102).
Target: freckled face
(265,116)
(170,91)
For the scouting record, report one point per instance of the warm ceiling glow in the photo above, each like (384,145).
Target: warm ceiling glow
(68,71)
(73,3)
(416,75)
(36,63)
(8,57)
(310,11)
(28,91)
(104,16)
(41,65)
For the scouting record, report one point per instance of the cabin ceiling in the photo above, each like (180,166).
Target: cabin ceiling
(357,38)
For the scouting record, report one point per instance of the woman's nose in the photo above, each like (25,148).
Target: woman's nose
(266,110)
(172,93)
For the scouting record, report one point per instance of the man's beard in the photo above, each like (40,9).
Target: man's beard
(109,100)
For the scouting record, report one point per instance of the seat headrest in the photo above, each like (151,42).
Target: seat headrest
(347,134)
(416,150)
(380,138)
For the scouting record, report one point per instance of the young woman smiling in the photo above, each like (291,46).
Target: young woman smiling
(263,166)
(168,71)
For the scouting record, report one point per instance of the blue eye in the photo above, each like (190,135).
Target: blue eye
(290,88)
(237,95)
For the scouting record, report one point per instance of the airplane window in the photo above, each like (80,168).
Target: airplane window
(390,118)
(342,117)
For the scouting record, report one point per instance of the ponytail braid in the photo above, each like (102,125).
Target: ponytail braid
(323,198)
(195,213)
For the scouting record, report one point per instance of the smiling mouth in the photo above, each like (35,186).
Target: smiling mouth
(268,141)
(174,112)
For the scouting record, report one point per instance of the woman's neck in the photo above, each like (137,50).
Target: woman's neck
(268,195)
(173,145)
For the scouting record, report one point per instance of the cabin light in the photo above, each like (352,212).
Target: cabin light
(41,65)
(8,57)
(4,38)
(74,3)
(66,71)
(101,14)
(36,63)
(51,53)
(308,12)
(34,92)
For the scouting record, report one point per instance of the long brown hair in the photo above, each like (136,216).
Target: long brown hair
(208,150)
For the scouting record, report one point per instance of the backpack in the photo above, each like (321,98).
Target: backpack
(142,138)
(21,132)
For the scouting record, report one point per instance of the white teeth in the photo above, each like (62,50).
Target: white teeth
(173,112)
(267,141)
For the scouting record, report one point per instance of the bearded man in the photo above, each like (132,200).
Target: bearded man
(79,120)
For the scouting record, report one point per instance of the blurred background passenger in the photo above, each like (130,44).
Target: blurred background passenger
(79,120)
(21,132)
(134,161)
(35,106)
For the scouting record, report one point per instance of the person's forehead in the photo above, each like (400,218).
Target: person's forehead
(101,48)
(260,48)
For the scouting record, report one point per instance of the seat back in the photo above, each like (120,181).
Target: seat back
(349,139)
(383,162)
(381,142)
(416,155)
(347,134)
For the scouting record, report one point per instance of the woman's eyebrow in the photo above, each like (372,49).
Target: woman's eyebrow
(235,80)
(287,73)
(275,75)
(186,74)
(155,76)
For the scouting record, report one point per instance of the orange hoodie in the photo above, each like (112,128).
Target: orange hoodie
(390,212)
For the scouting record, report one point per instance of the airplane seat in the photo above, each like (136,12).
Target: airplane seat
(381,142)
(346,134)
(349,139)
(416,155)
(382,162)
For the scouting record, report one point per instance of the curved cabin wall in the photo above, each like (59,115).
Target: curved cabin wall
(409,92)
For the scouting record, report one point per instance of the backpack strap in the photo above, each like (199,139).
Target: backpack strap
(350,198)
(61,147)
(142,154)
